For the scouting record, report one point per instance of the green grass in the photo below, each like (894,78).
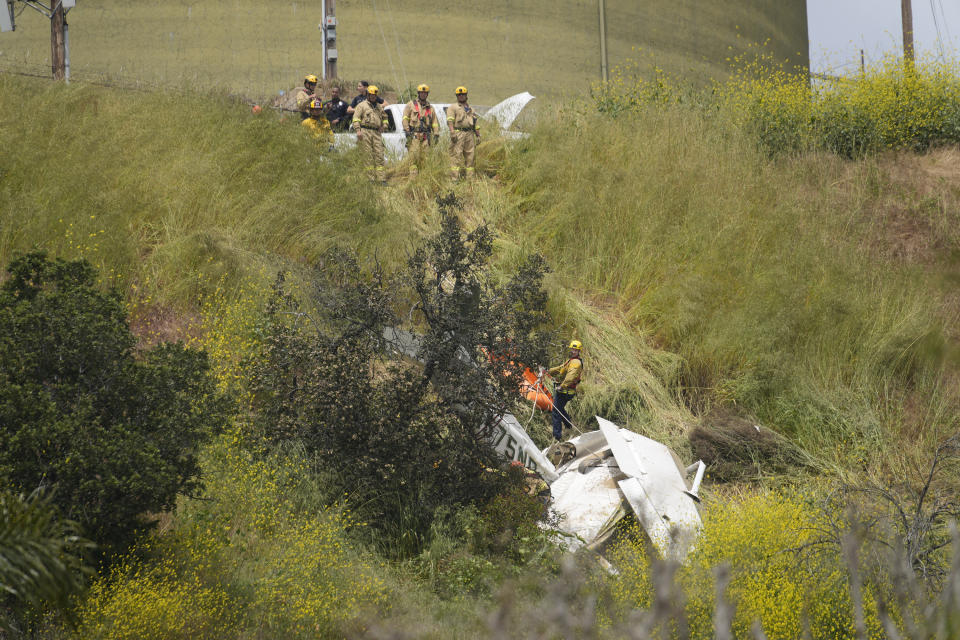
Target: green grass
(698,271)
(812,293)
(764,276)
(150,187)
(258,47)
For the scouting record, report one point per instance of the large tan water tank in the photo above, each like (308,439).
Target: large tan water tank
(495,47)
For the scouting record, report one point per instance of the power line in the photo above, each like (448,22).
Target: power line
(936,25)
(396,37)
(946,23)
(386,46)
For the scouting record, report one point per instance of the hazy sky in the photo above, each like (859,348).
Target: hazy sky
(840,28)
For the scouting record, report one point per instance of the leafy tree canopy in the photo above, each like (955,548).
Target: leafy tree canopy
(402,435)
(113,433)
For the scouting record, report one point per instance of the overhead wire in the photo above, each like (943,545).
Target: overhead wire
(936,25)
(946,23)
(396,38)
(393,68)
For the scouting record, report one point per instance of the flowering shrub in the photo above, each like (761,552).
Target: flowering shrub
(229,320)
(886,106)
(761,538)
(258,554)
(147,603)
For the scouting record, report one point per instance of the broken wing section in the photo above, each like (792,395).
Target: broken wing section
(507,111)
(656,490)
(613,471)
(510,440)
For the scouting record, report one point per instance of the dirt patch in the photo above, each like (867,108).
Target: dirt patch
(155,324)
(927,171)
(914,219)
(906,237)
(735,448)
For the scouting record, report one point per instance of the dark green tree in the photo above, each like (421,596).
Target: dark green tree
(115,434)
(402,435)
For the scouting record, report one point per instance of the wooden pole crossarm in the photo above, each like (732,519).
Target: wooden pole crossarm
(39,7)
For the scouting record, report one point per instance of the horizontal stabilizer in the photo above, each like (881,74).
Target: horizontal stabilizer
(507,111)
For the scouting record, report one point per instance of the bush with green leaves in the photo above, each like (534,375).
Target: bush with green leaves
(403,435)
(510,526)
(113,432)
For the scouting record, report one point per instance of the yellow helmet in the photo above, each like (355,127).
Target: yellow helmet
(423,87)
(316,104)
(312,79)
(576,344)
(373,90)
(461,91)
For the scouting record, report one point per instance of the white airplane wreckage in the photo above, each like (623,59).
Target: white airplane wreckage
(603,475)
(599,477)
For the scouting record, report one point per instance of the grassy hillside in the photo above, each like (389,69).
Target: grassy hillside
(700,272)
(497,48)
(707,278)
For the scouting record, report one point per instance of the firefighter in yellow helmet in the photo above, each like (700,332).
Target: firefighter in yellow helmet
(568,374)
(420,126)
(370,121)
(306,93)
(317,123)
(464,135)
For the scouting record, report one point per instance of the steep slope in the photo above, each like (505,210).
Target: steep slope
(699,272)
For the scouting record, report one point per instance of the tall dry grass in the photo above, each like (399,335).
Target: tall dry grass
(759,273)
(698,270)
(155,189)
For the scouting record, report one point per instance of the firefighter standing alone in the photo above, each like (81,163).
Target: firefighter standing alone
(420,126)
(568,376)
(369,122)
(464,135)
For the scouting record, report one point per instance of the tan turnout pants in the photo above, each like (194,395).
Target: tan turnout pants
(417,149)
(371,148)
(463,146)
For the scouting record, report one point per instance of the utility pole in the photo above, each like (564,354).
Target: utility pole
(603,41)
(906,16)
(59,33)
(58,46)
(329,29)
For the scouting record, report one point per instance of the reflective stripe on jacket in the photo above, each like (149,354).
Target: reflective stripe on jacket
(369,116)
